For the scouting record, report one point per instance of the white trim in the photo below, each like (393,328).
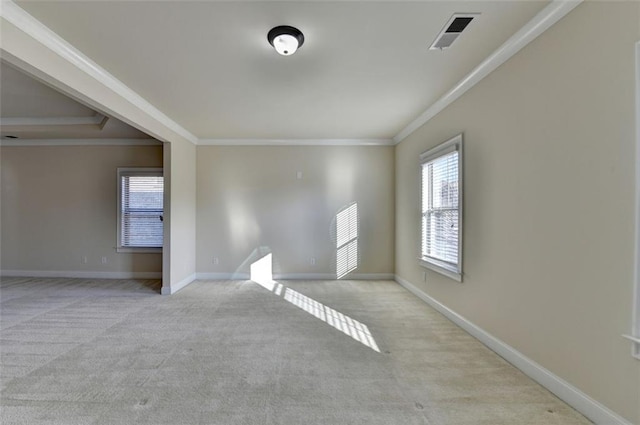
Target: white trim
(80,274)
(306,276)
(36,29)
(173,288)
(296,142)
(448,146)
(580,401)
(51,121)
(136,171)
(297,276)
(440,267)
(222,276)
(635,325)
(80,142)
(454,144)
(631,338)
(138,250)
(551,14)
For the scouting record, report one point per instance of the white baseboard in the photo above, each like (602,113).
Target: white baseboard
(370,276)
(222,276)
(80,274)
(580,401)
(296,276)
(173,288)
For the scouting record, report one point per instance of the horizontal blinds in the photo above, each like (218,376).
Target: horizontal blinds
(142,209)
(346,225)
(347,258)
(440,208)
(347,240)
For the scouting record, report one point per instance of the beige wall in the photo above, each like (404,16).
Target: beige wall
(180,228)
(59,204)
(249,197)
(549,202)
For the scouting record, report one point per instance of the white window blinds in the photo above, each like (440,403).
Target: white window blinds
(141,209)
(347,240)
(441,201)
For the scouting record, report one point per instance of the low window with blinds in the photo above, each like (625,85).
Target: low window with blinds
(441,169)
(140,209)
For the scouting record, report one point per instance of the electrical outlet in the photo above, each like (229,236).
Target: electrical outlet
(104,260)
(216,260)
(312,261)
(84,259)
(299,175)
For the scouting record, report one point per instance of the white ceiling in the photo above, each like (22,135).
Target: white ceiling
(22,96)
(46,113)
(365,70)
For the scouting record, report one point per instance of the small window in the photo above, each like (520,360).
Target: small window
(140,209)
(441,169)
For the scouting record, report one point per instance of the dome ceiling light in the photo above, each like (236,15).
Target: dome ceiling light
(285,39)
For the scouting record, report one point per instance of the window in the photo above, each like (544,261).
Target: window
(347,240)
(140,209)
(441,169)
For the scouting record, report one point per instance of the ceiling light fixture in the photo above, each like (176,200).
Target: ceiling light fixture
(285,39)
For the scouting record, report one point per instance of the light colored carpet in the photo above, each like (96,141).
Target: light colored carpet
(80,351)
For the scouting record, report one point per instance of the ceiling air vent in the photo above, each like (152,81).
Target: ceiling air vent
(452,30)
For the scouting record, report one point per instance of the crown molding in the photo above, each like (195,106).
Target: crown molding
(552,13)
(548,16)
(22,20)
(80,142)
(95,120)
(296,142)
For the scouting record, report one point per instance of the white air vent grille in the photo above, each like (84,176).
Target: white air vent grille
(452,30)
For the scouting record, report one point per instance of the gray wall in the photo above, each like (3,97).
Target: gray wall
(59,204)
(250,197)
(549,202)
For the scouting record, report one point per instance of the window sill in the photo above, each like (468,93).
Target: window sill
(441,268)
(139,250)
(636,345)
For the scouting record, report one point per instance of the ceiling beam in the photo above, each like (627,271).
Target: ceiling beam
(29,45)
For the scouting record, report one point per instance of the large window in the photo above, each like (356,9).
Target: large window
(441,169)
(140,209)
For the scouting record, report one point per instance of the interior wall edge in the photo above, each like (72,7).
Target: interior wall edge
(175,287)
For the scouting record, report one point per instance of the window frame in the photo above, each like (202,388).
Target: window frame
(455,144)
(634,336)
(137,171)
